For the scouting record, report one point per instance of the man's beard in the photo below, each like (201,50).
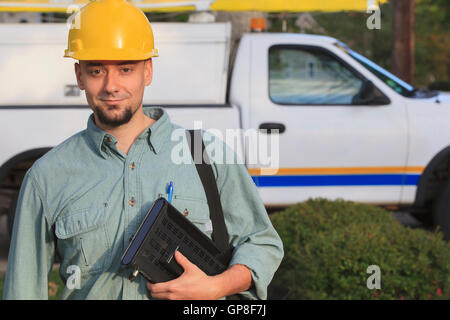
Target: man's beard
(125,117)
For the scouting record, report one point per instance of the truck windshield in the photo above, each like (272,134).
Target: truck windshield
(392,81)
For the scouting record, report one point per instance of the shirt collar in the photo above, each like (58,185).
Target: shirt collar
(159,131)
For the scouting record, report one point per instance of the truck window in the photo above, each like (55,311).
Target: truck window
(400,86)
(308,76)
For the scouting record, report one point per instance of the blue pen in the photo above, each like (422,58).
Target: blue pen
(170,191)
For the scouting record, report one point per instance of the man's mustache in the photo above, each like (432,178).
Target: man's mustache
(121,97)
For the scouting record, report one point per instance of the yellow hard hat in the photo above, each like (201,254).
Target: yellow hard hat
(110,30)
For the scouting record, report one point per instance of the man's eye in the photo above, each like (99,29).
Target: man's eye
(127,70)
(96,71)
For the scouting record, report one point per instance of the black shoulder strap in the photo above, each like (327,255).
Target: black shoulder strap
(220,234)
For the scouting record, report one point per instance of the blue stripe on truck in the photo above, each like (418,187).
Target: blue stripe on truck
(337,180)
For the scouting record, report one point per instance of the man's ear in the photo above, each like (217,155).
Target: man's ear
(78,75)
(148,71)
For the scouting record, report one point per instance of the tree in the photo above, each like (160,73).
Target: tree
(403,40)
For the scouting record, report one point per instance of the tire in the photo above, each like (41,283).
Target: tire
(441,210)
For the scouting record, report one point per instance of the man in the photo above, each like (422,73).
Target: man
(86,197)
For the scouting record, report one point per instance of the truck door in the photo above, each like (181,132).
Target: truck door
(330,147)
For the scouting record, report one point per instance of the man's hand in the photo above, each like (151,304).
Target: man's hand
(194,284)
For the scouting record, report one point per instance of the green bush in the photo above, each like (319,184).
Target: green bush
(330,244)
(55,285)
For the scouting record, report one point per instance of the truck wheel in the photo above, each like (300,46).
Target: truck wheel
(12,213)
(441,210)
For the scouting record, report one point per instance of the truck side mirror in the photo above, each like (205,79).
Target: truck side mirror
(368,95)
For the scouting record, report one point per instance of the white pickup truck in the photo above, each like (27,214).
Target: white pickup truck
(347,128)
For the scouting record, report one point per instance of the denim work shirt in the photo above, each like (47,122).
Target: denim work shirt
(84,200)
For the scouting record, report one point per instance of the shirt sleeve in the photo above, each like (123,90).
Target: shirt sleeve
(32,249)
(257,244)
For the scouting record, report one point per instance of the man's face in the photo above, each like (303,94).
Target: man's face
(114,89)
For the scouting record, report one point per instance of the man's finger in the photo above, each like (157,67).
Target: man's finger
(164,296)
(159,296)
(159,287)
(183,261)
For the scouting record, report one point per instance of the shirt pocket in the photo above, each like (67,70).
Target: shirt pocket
(83,239)
(194,209)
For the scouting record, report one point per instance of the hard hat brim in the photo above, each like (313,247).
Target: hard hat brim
(111,54)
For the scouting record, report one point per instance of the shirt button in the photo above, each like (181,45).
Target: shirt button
(185,212)
(109,139)
(132,166)
(132,201)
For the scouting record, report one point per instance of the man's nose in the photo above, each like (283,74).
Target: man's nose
(111,82)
